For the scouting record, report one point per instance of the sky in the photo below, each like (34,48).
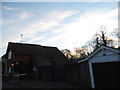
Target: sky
(59,24)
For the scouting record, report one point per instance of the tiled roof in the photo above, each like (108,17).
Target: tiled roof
(41,54)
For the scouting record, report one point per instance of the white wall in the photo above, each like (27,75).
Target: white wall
(107,52)
(109,57)
(100,58)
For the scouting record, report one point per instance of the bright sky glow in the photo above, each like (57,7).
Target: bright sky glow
(61,24)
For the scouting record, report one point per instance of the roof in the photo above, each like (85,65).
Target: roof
(40,53)
(99,49)
(55,53)
(18,48)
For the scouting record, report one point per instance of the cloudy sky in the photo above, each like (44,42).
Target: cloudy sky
(60,24)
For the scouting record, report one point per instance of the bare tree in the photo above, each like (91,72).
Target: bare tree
(110,43)
(82,52)
(100,38)
(89,45)
(67,53)
(103,39)
(116,34)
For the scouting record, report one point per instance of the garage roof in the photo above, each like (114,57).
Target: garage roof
(99,49)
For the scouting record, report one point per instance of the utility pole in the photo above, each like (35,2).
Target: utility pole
(21,37)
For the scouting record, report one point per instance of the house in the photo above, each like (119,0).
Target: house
(100,68)
(39,62)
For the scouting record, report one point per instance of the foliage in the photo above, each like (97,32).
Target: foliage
(116,33)
(99,39)
(67,53)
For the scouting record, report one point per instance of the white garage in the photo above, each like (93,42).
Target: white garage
(103,67)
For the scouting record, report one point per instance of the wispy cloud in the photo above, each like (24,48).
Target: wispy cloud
(72,34)
(53,19)
(17,18)
(59,15)
(8,8)
(35,39)
(11,38)
(24,15)
(83,28)
(7,21)
(34,27)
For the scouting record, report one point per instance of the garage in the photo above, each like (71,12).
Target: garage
(103,64)
(106,74)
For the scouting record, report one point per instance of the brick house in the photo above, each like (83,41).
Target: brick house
(39,62)
(100,68)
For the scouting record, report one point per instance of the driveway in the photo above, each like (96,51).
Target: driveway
(36,84)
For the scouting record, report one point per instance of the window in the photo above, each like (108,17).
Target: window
(10,55)
(10,70)
(34,68)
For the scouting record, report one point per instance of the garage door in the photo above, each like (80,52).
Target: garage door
(106,74)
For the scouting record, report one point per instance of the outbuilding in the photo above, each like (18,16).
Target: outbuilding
(101,68)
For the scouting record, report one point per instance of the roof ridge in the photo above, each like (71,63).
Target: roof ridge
(23,43)
(96,50)
(48,46)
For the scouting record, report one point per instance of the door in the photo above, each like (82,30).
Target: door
(106,74)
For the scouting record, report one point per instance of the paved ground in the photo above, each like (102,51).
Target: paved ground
(13,85)
(36,84)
